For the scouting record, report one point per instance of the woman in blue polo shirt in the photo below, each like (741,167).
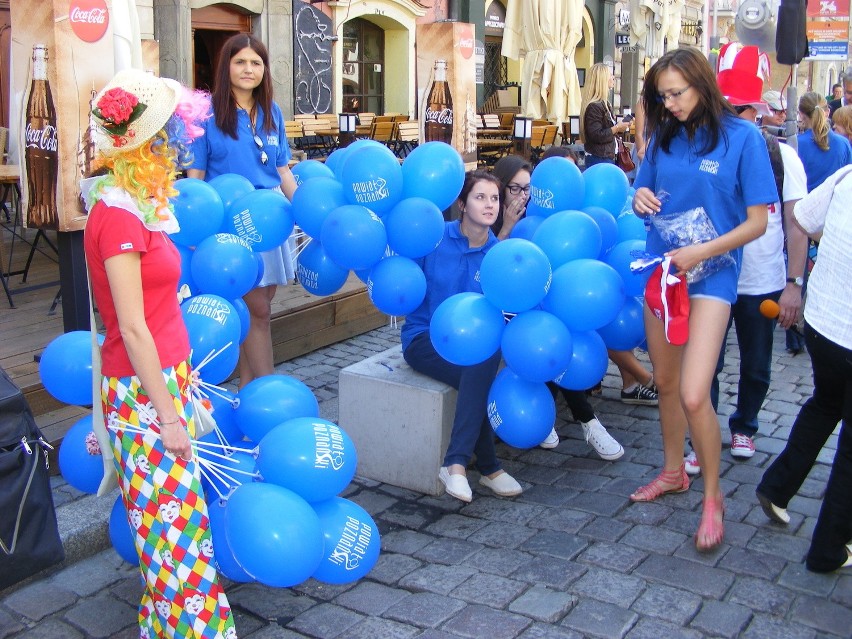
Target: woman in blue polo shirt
(700,154)
(453,267)
(246,137)
(822,150)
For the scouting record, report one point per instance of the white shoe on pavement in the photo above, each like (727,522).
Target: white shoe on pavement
(503,485)
(601,441)
(551,441)
(456,485)
(690,464)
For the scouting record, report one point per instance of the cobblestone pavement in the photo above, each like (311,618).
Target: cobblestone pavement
(571,557)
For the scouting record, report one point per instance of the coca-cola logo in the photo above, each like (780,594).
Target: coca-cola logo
(89,19)
(444,116)
(43,139)
(466,42)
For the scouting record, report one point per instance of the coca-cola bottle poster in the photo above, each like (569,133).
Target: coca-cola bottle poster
(62,52)
(446,86)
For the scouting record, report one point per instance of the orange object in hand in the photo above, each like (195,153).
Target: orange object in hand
(770,309)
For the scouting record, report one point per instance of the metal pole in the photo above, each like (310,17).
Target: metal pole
(790,127)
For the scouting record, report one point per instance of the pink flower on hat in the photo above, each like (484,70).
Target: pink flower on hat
(118,109)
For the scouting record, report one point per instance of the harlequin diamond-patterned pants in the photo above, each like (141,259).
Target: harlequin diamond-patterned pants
(167,513)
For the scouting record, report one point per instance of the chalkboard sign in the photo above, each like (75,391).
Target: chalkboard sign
(313,34)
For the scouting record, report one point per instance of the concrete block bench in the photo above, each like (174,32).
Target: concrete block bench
(399,420)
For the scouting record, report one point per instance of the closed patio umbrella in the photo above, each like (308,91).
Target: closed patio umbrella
(652,22)
(545,34)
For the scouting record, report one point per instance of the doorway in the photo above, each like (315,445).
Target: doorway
(211,26)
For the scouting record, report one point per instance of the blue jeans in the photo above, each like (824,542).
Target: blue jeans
(831,402)
(754,335)
(591,160)
(472,433)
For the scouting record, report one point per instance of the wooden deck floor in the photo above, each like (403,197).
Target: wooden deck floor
(301,323)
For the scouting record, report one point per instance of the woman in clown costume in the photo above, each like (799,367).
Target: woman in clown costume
(145,125)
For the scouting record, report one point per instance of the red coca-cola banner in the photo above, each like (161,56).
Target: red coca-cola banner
(62,53)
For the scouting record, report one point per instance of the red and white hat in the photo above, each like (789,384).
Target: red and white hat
(668,298)
(740,74)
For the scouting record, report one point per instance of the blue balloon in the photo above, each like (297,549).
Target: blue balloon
(245,317)
(198,209)
(213,325)
(223,411)
(434,171)
(607,225)
(66,368)
(606,186)
(314,200)
(466,329)
(515,275)
(588,362)
(352,541)
(309,169)
(318,273)
(620,258)
(536,346)
(231,472)
(585,295)
(556,185)
(274,534)
(224,265)
(568,235)
(231,187)
(335,159)
(372,177)
(415,227)
(396,285)
(526,227)
(270,400)
(80,459)
(313,457)
(631,227)
(354,237)
(121,535)
(186,284)
(263,218)
(226,563)
(627,330)
(521,412)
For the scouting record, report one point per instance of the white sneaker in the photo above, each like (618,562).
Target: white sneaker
(551,441)
(601,441)
(690,464)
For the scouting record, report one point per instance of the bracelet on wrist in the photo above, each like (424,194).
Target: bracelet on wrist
(176,421)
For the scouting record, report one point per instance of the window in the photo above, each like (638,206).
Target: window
(363,67)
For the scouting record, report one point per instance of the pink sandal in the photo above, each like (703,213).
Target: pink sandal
(668,481)
(711,530)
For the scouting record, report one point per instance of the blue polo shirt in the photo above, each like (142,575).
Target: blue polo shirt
(217,153)
(453,267)
(725,181)
(820,164)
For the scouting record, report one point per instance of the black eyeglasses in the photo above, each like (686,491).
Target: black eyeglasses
(674,96)
(263,157)
(515,189)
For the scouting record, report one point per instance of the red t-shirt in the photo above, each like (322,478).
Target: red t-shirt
(110,231)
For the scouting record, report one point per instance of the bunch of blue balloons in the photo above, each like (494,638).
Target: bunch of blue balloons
(366,213)
(564,281)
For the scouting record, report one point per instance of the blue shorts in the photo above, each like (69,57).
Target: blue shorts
(722,285)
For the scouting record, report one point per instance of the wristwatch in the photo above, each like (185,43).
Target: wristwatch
(798,281)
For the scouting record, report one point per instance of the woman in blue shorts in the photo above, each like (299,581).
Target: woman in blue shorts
(701,155)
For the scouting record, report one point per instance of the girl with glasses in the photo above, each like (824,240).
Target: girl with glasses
(702,155)
(246,136)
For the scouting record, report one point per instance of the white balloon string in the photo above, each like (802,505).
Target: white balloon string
(205,451)
(230,469)
(211,355)
(210,481)
(301,247)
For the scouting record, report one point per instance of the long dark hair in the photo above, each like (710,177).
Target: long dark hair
(709,111)
(472,179)
(504,170)
(224,105)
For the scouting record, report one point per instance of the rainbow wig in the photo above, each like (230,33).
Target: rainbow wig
(148,173)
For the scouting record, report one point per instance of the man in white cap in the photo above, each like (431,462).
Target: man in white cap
(778,113)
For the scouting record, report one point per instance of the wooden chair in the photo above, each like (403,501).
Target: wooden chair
(407,137)
(401,117)
(542,137)
(383,131)
(541,122)
(507,119)
(366,119)
(383,118)
(491,121)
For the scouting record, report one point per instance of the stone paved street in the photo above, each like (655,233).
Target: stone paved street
(571,557)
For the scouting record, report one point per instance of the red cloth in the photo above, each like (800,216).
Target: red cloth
(668,298)
(109,232)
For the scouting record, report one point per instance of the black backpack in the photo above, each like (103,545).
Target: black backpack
(772,145)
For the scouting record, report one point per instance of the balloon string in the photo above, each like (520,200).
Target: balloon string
(301,247)
(205,389)
(210,480)
(210,356)
(204,451)
(216,465)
